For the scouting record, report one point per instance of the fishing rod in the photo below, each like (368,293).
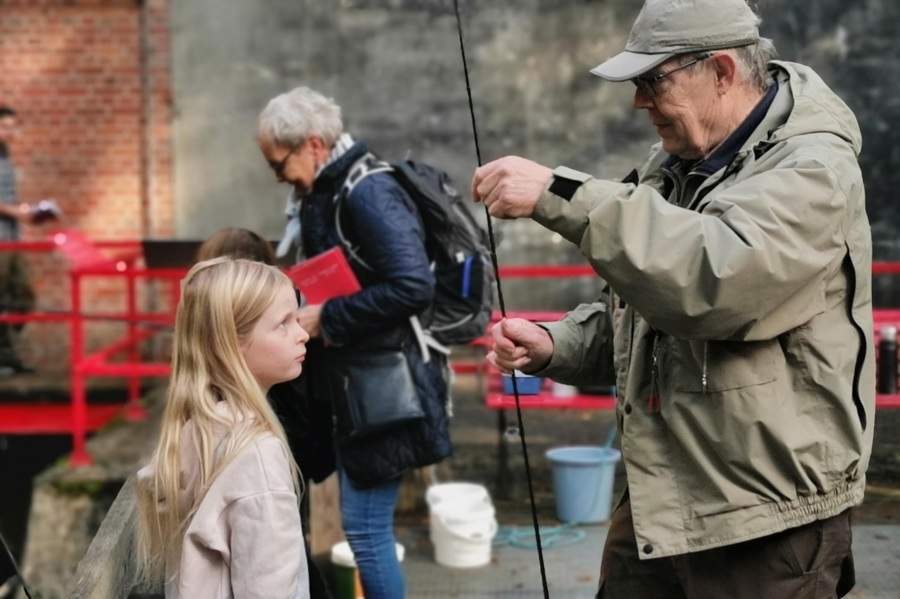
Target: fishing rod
(496,266)
(9,563)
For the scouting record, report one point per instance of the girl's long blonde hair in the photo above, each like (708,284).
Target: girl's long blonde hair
(222,300)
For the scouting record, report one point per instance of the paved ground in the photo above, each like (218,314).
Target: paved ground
(572,571)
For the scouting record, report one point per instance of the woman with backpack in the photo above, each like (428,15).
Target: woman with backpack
(387,393)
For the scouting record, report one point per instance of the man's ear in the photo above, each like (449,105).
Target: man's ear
(725,69)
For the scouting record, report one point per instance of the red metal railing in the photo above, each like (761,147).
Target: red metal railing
(90,259)
(86,260)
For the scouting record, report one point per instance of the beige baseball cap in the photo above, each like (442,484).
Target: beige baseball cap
(665,28)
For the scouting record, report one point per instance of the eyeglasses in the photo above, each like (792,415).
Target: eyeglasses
(648,84)
(279,166)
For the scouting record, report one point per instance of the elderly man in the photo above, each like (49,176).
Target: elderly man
(739,324)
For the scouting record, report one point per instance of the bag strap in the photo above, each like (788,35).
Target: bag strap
(367,165)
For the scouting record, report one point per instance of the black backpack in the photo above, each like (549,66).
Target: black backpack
(457,247)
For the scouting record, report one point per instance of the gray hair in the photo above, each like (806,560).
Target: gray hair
(290,118)
(753,63)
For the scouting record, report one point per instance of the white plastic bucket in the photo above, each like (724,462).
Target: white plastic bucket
(462,495)
(462,524)
(462,535)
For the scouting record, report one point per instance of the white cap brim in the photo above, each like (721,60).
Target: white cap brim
(628,65)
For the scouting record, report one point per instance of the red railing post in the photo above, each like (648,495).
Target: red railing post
(80,456)
(134,411)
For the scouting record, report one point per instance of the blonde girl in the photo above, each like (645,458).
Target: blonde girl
(218,502)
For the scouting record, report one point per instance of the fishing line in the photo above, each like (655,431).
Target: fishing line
(534,516)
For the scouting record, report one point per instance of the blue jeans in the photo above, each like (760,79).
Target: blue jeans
(368,519)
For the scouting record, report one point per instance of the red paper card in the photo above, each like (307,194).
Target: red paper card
(324,276)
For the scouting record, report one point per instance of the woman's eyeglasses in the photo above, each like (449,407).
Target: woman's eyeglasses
(279,166)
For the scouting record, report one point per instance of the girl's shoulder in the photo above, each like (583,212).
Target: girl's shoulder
(263,465)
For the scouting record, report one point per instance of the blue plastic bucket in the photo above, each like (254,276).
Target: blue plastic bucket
(583,482)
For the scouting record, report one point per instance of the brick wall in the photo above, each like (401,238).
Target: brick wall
(73,71)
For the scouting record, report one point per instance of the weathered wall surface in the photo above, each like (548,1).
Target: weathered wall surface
(395,67)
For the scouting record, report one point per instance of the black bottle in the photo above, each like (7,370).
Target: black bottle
(887,361)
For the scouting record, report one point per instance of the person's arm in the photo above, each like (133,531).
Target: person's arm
(577,349)
(583,351)
(18,212)
(751,265)
(268,557)
(390,238)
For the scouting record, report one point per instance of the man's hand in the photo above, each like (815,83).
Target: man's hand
(310,317)
(520,344)
(510,187)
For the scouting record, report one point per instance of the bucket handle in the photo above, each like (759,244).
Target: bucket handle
(476,536)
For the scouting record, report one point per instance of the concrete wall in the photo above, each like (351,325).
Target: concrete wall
(395,67)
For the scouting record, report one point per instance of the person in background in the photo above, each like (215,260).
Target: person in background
(236,242)
(16,292)
(738,331)
(300,134)
(289,399)
(218,503)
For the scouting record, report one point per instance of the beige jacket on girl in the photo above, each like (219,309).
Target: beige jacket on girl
(245,541)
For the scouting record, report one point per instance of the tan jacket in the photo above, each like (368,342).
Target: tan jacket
(744,356)
(245,540)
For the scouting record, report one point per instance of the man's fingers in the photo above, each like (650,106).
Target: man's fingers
(506,366)
(484,181)
(517,330)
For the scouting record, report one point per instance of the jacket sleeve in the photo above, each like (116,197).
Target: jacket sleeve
(698,274)
(582,347)
(268,555)
(387,229)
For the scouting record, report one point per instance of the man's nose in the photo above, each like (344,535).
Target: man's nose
(641,99)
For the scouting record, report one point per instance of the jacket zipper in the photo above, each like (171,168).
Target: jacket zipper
(653,404)
(703,378)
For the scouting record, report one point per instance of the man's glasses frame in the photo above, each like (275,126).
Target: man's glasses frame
(648,84)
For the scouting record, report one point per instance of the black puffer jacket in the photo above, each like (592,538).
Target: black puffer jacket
(380,219)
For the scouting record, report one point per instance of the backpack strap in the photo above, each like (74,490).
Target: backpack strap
(368,164)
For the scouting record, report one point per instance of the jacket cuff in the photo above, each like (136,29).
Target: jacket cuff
(565,346)
(560,213)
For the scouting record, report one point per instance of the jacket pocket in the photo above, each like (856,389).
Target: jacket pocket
(713,366)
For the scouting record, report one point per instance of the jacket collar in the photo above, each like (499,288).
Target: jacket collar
(332,176)
(722,155)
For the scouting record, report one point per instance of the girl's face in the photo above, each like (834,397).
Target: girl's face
(276,347)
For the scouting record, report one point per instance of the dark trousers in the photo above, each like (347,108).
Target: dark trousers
(16,295)
(813,561)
